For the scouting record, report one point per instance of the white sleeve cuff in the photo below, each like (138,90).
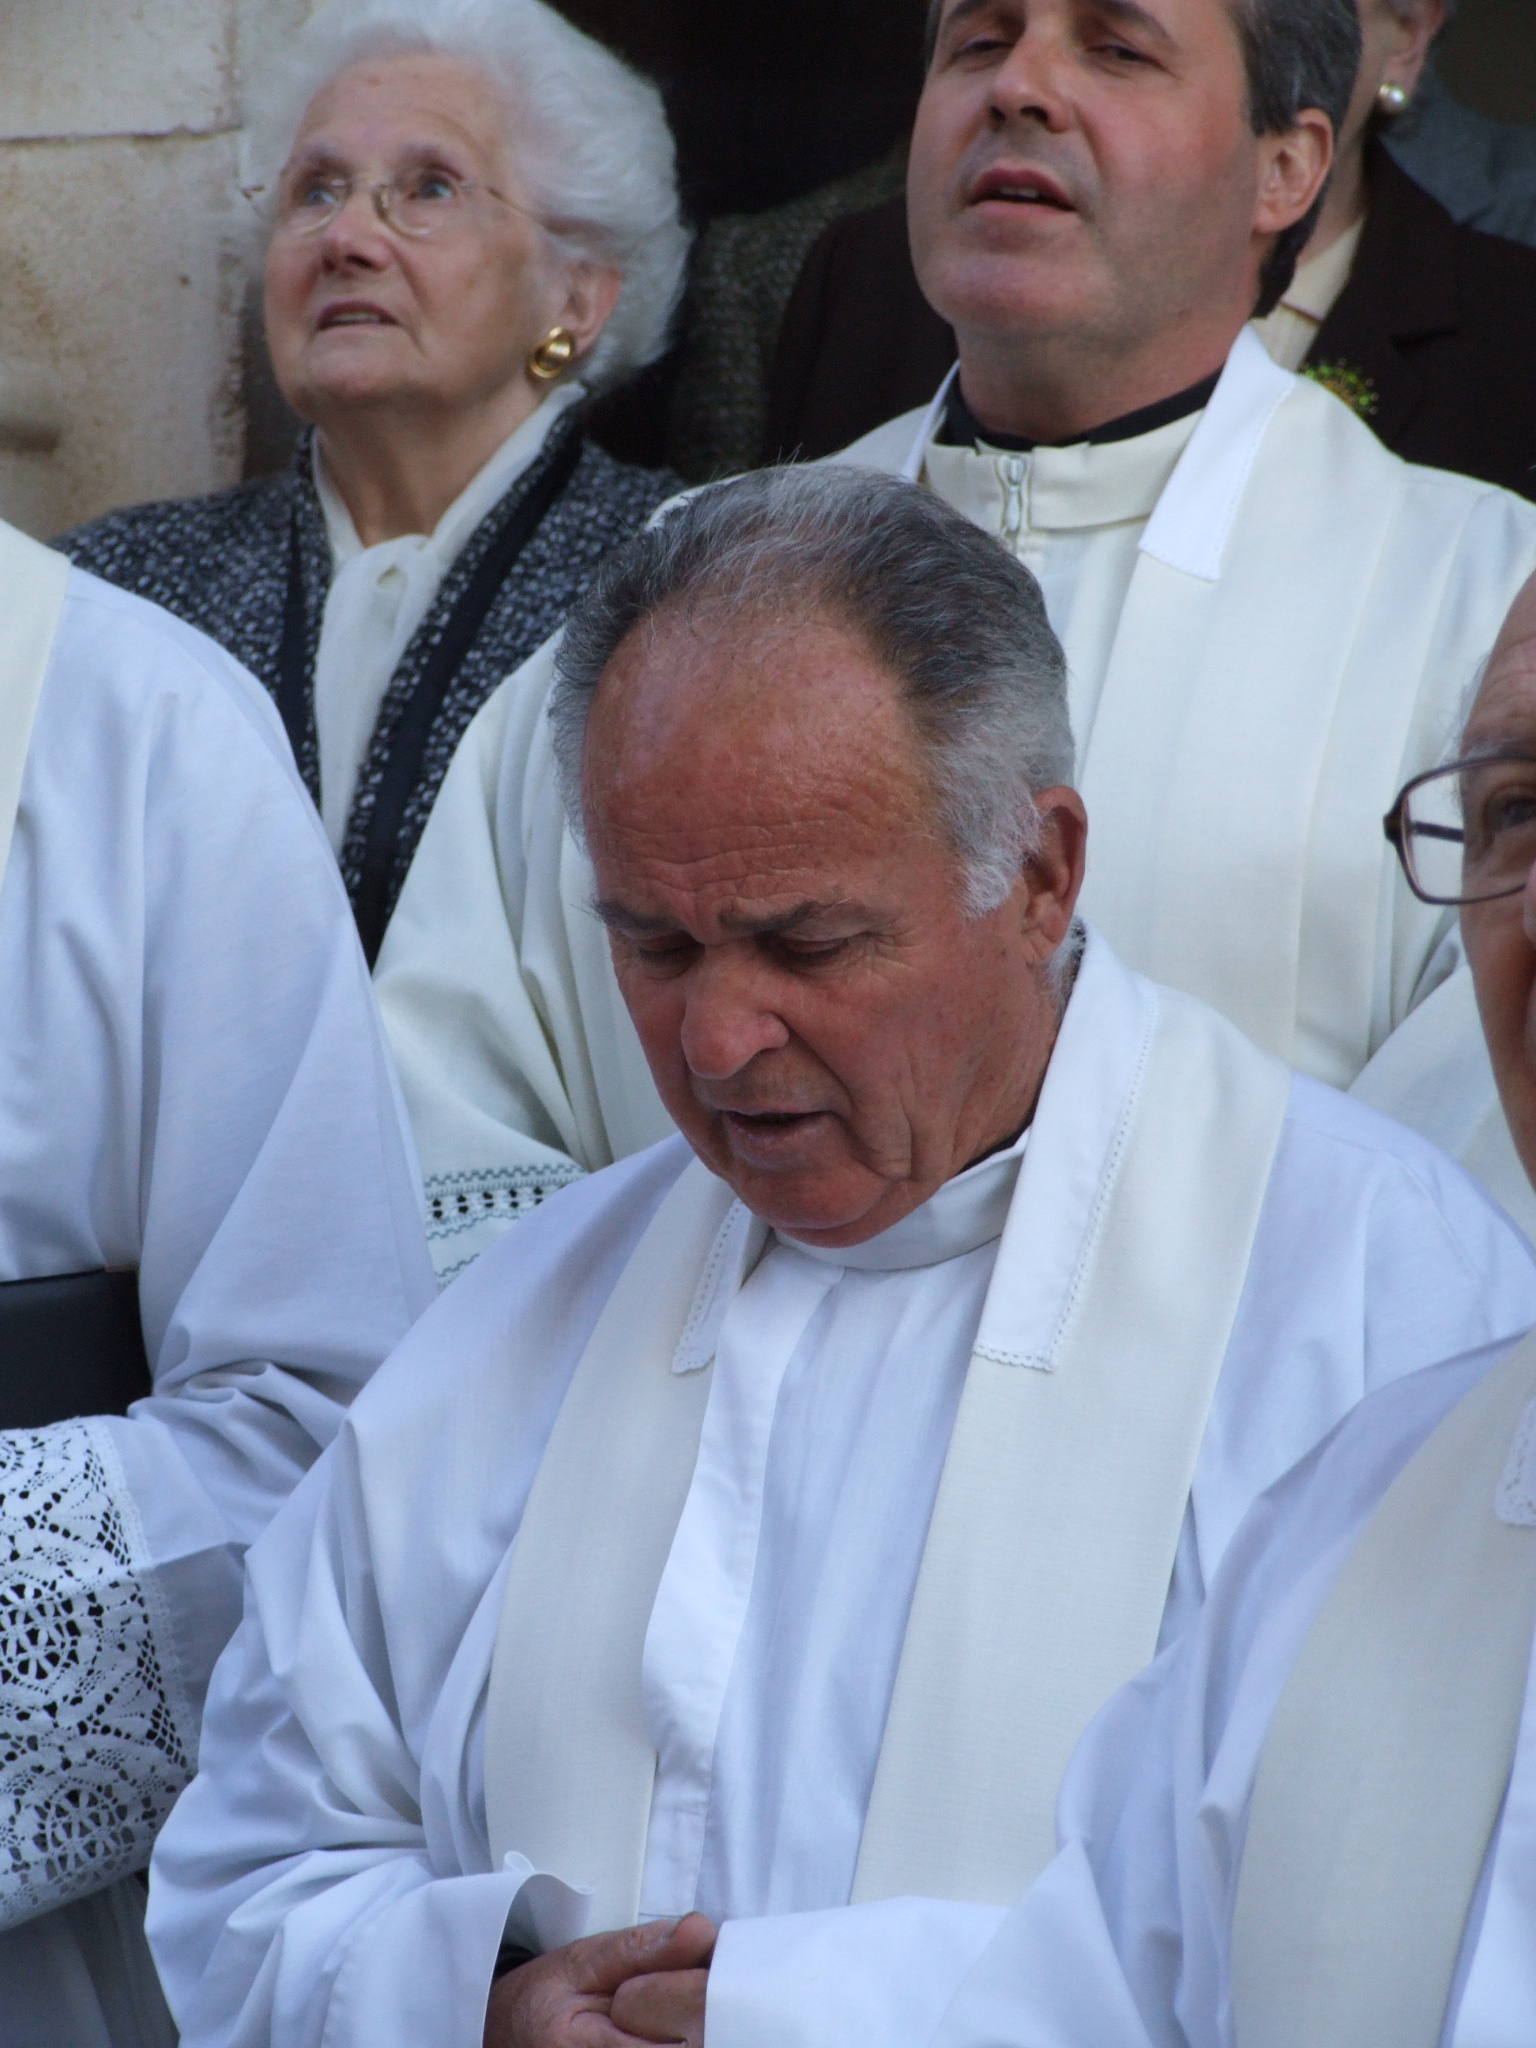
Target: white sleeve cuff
(883,1972)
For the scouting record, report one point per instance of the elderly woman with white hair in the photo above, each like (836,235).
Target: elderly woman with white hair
(470,219)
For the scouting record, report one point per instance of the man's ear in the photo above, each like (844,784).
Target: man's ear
(1293,167)
(1053,874)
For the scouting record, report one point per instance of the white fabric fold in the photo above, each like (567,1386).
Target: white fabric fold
(329,1876)
(193,1084)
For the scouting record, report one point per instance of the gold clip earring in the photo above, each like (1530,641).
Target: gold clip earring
(1391,99)
(553,354)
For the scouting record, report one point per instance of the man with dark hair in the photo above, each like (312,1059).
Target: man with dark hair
(1269,619)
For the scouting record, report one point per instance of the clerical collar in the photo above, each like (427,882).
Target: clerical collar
(966,1213)
(961,428)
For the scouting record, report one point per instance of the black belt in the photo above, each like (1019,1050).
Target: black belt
(71,1345)
(408,742)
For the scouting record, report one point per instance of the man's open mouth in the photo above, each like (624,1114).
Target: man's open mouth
(1020,188)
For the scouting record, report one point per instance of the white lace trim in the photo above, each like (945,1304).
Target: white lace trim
(95,1731)
(467,1212)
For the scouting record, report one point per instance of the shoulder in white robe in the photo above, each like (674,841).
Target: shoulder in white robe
(1126,1940)
(329,1875)
(193,1083)
(1271,623)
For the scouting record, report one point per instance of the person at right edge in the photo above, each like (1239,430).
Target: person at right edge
(1270,620)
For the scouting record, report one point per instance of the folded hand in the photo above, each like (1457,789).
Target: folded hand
(608,1991)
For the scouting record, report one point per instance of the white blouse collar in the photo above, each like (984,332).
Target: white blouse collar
(490,483)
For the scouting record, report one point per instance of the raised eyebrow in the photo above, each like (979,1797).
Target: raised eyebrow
(1133,16)
(634,924)
(1124,11)
(1496,747)
(964,12)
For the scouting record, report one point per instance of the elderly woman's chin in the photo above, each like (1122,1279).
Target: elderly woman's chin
(353,366)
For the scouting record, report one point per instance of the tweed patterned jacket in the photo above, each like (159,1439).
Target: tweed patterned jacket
(221,563)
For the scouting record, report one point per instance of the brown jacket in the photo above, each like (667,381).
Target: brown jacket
(1433,339)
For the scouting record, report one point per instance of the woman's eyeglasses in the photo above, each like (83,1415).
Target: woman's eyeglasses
(415,203)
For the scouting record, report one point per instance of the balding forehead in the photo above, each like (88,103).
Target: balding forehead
(1504,711)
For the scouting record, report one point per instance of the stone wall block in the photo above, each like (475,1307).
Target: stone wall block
(119,67)
(120,292)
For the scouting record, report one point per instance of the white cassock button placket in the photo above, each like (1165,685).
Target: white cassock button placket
(701,1603)
(744,1606)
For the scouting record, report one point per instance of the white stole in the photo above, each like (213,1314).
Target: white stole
(1053,1537)
(1387,1759)
(1234,669)
(32,584)
(1268,687)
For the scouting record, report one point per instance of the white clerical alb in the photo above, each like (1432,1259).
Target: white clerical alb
(1367,1919)
(1075,518)
(193,1086)
(749,1563)
(344,1868)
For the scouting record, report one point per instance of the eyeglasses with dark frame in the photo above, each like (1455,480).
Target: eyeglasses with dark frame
(1466,833)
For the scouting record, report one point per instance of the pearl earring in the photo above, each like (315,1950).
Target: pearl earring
(1391,99)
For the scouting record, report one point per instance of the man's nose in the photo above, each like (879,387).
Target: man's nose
(1030,82)
(728,1017)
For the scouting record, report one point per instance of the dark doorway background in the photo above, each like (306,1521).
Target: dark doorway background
(1488,58)
(767,101)
(772,98)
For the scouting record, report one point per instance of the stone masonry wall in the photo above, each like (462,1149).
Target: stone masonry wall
(120,282)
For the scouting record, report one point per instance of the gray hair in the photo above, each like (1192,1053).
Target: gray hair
(589,136)
(1296,54)
(959,623)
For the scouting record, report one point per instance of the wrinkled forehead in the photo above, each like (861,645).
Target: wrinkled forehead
(1505,706)
(766,690)
(405,101)
(713,737)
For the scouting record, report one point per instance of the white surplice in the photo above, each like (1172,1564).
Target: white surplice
(193,1083)
(1126,1940)
(1270,622)
(329,1876)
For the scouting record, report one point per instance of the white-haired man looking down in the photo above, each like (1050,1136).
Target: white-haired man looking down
(1269,620)
(755,1532)
(1314,1820)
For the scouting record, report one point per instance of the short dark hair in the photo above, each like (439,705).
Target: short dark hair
(1296,53)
